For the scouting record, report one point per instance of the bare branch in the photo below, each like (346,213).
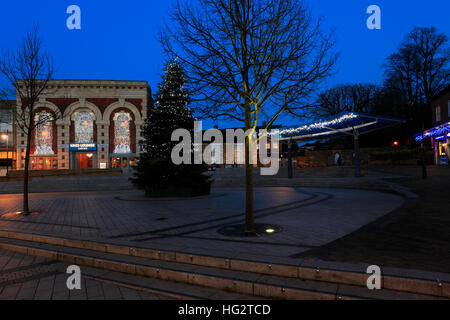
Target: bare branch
(28,70)
(242,57)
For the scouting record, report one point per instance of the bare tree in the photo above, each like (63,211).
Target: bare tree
(28,71)
(247,59)
(351,98)
(419,70)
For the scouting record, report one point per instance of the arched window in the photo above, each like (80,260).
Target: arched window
(44,133)
(122,141)
(84,127)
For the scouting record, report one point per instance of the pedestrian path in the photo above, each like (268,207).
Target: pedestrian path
(307,218)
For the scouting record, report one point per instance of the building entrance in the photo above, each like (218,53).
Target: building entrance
(122,162)
(85,160)
(44,163)
(442,152)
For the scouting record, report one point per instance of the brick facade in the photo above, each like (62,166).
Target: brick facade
(441,104)
(441,117)
(102,99)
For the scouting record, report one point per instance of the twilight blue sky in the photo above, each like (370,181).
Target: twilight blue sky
(118,39)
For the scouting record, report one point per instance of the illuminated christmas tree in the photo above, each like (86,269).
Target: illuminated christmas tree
(155,171)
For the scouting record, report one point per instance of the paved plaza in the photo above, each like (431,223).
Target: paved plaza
(309,213)
(309,218)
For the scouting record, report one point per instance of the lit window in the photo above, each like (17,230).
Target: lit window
(6,120)
(216,153)
(122,139)
(44,133)
(239,153)
(84,127)
(438,113)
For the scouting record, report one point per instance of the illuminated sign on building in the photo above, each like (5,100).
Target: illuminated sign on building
(82,147)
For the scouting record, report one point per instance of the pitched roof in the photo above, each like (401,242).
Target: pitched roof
(442,92)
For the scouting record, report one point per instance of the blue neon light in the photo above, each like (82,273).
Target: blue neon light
(438,131)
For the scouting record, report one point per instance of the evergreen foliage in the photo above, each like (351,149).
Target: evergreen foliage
(155,171)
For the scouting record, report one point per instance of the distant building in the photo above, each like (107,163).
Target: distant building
(100,127)
(440,132)
(235,151)
(7,136)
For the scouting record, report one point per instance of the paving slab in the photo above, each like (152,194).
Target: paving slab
(308,217)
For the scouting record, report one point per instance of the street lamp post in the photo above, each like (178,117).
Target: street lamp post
(290,169)
(5,136)
(357,158)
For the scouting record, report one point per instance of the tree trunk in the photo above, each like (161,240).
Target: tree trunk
(290,169)
(249,194)
(26,209)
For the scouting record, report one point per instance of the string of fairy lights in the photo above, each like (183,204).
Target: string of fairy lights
(435,132)
(316,126)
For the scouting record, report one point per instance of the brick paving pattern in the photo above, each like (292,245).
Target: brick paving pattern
(309,218)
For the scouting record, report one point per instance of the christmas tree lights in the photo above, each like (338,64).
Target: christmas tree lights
(155,172)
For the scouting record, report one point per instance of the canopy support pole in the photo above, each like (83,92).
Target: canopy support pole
(290,170)
(357,156)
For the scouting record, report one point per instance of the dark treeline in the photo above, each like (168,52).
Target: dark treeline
(413,75)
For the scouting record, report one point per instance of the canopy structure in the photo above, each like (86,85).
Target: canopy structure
(350,123)
(440,132)
(343,123)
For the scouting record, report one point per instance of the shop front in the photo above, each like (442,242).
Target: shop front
(83,155)
(441,149)
(44,163)
(85,124)
(440,137)
(122,161)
